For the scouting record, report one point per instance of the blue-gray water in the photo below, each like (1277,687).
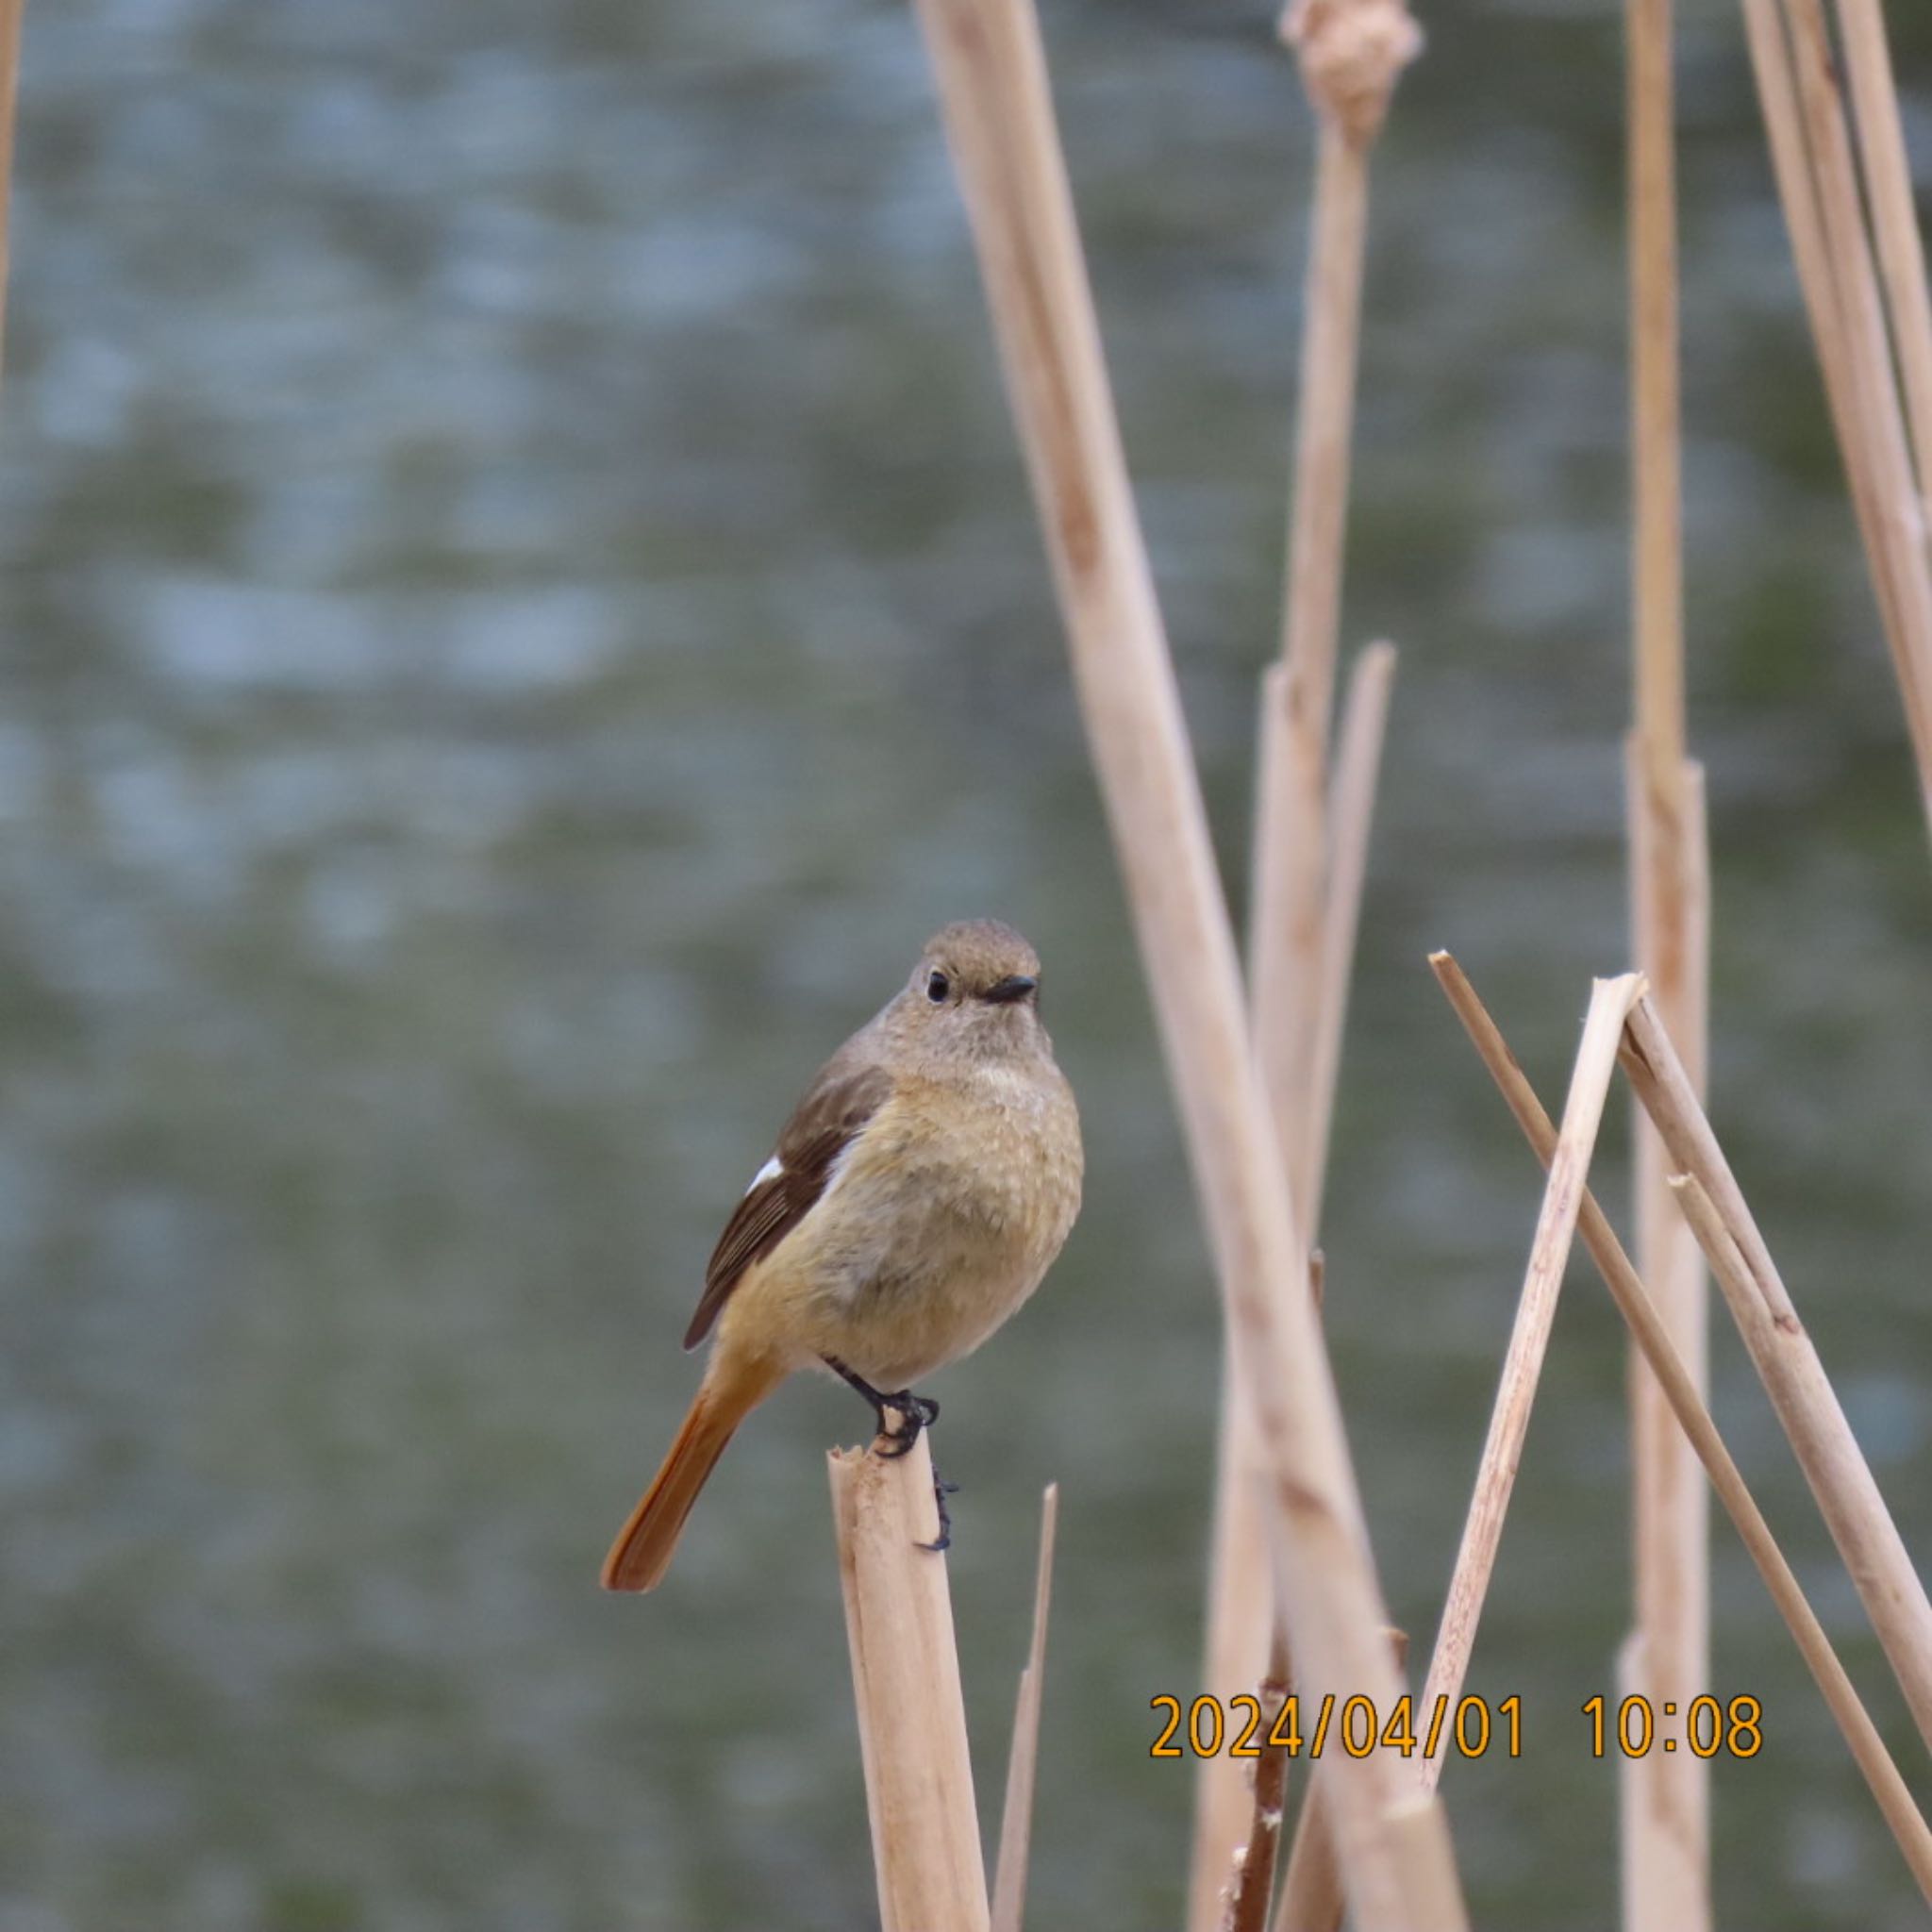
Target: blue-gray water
(520,612)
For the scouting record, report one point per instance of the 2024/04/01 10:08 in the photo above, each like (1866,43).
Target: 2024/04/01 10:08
(1205,1730)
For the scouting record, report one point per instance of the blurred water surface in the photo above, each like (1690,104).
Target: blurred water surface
(519,612)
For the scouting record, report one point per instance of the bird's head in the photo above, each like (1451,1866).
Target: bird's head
(975,990)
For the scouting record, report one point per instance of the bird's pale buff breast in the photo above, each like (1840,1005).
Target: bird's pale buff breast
(943,1220)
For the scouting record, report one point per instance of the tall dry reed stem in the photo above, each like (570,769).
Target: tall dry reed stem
(1351,52)
(1556,1229)
(1240,1597)
(1888,187)
(906,1685)
(1016,1817)
(1351,813)
(992,81)
(1652,1336)
(1253,1884)
(10,12)
(1665,1799)
(1841,1478)
(1311,1897)
(1811,154)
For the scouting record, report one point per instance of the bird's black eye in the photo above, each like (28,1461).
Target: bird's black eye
(937,987)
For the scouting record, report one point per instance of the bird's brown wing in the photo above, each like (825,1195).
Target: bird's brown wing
(826,1122)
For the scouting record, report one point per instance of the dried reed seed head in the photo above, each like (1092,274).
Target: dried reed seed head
(1351,52)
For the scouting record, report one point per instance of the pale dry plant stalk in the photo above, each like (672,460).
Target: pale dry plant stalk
(1311,1897)
(1312,1883)
(1888,187)
(906,1686)
(1816,176)
(992,73)
(1549,1255)
(1240,1596)
(1303,906)
(1781,1351)
(1652,1336)
(1016,1817)
(1253,1884)
(1664,1821)
(10,12)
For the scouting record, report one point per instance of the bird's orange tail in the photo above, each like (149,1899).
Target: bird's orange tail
(641,1553)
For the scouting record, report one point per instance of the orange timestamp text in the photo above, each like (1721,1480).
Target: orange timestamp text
(1707,1728)
(1239,1727)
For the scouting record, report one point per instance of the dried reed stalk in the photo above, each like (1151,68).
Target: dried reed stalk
(1665,1800)
(1254,1877)
(1610,1000)
(1240,1596)
(1889,187)
(10,12)
(1300,958)
(1652,1334)
(1665,1812)
(1350,816)
(1312,1887)
(905,1684)
(1016,1819)
(1835,1467)
(991,73)
(1311,1898)
(1351,52)
(1811,154)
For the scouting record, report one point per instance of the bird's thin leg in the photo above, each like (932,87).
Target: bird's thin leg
(915,1413)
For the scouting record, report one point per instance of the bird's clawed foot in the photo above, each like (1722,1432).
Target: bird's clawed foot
(915,1414)
(940,1490)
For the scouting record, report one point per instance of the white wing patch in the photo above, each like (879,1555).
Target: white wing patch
(770,1171)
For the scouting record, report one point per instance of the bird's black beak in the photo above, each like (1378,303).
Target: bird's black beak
(1015,986)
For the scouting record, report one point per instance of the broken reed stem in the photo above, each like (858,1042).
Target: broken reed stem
(1350,53)
(992,82)
(1652,1336)
(1834,1465)
(1549,1255)
(1016,1818)
(1811,154)
(1239,1598)
(1888,187)
(10,12)
(1311,1897)
(1253,1878)
(905,1683)
(1665,1801)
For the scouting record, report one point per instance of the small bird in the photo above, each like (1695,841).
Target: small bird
(919,1192)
